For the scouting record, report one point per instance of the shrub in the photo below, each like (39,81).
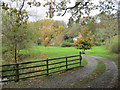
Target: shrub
(114,46)
(70,40)
(67,44)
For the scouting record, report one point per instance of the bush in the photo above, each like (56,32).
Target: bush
(70,40)
(97,43)
(67,44)
(114,47)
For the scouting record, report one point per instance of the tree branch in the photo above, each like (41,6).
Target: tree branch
(22,6)
(74,7)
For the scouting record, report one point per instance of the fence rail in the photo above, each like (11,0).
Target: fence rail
(17,67)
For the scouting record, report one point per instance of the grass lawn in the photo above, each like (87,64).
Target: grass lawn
(101,51)
(52,52)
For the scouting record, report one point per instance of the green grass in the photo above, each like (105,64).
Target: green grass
(117,62)
(101,51)
(96,73)
(52,52)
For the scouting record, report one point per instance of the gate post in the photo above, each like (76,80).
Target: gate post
(80,58)
(17,73)
(47,67)
(66,64)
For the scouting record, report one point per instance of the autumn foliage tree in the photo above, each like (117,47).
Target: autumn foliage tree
(45,42)
(86,41)
(47,28)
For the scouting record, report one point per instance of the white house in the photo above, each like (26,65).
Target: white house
(75,38)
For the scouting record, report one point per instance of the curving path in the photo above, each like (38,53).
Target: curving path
(108,79)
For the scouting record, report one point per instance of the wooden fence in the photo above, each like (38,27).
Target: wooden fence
(17,67)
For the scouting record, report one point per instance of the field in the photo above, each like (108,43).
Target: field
(52,52)
(101,51)
(34,54)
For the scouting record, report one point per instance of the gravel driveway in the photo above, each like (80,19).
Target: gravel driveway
(108,79)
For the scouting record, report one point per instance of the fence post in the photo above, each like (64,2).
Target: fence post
(66,64)
(17,73)
(80,58)
(47,67)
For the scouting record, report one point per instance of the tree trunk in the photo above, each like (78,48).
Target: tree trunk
(15,54)
(15,62)
(15,57)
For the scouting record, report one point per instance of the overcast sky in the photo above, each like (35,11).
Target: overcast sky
(40,12)
(36,13)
